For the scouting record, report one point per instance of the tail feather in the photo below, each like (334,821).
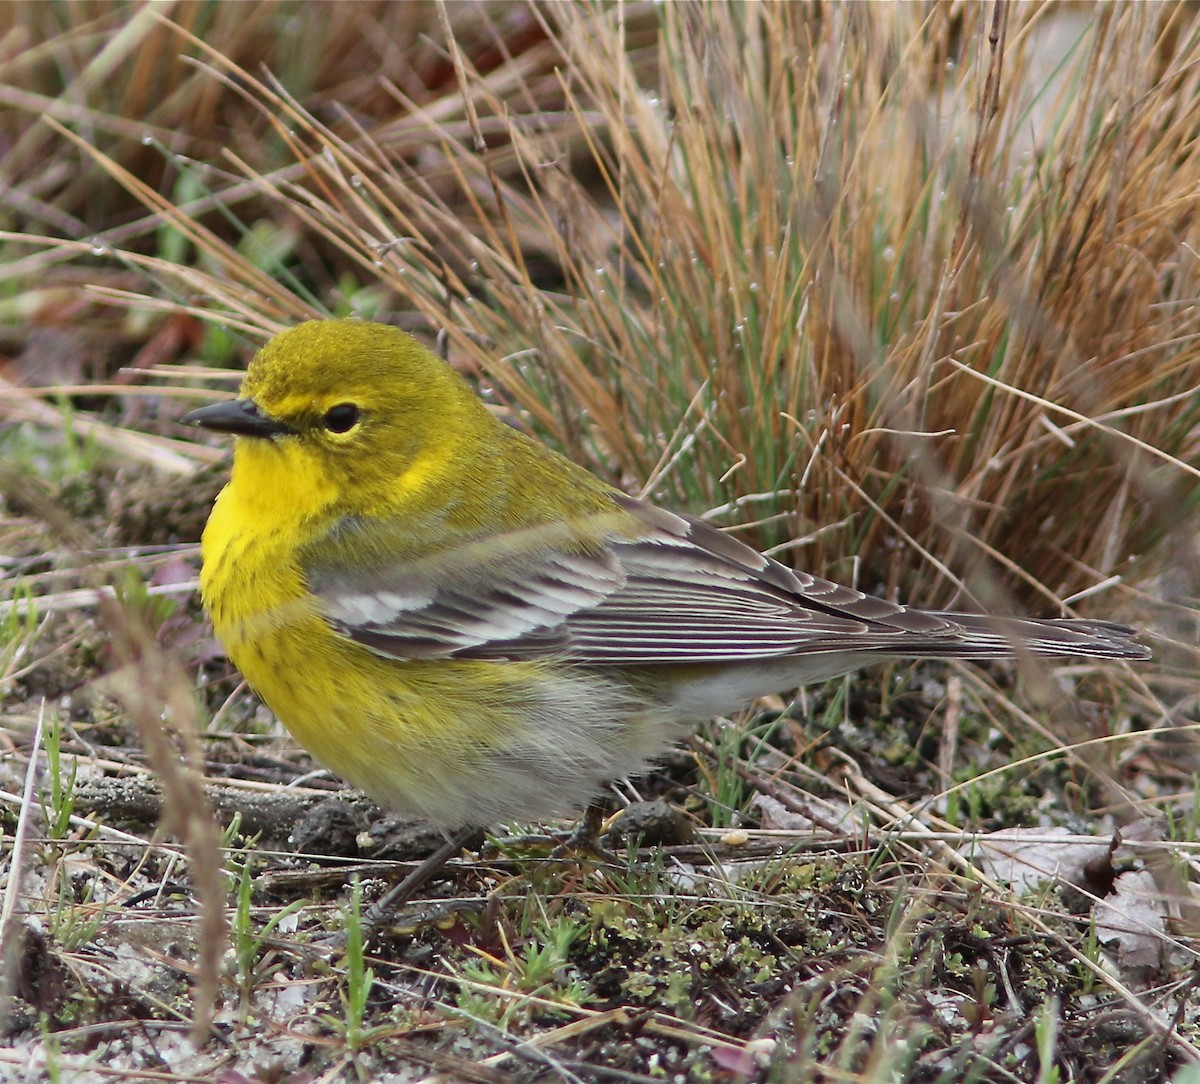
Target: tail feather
(986,637)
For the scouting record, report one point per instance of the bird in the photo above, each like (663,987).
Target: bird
(472,628)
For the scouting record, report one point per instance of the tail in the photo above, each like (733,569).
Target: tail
(1004,637)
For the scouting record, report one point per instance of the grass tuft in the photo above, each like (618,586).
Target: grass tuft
(903,294)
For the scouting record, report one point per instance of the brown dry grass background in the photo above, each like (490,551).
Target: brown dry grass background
(905,294)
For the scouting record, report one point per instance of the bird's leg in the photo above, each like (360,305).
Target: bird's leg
(383,908)
(586,836)
(382,912)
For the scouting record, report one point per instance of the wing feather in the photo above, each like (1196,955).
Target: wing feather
(673,591)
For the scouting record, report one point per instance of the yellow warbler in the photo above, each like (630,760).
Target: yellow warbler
(468,626)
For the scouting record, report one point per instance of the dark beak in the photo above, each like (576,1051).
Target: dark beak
(240,416)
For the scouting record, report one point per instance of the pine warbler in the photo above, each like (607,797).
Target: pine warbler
(470,627)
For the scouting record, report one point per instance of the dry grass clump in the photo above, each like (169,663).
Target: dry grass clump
(905,293)
(842,274)
(126,79)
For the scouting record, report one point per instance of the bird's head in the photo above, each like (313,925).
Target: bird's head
(354,410)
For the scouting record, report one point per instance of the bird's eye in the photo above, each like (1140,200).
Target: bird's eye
(341,418)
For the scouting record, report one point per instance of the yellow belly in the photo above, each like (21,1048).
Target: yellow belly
(458,741)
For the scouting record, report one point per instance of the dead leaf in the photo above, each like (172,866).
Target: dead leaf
(1133,918)
(1028,857)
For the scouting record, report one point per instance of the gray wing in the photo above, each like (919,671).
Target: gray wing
(676,592)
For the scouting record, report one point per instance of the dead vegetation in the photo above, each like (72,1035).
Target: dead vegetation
(908,306)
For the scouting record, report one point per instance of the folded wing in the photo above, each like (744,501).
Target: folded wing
(671,590)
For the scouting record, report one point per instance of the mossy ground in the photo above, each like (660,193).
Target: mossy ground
(906,292)
(747,951)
